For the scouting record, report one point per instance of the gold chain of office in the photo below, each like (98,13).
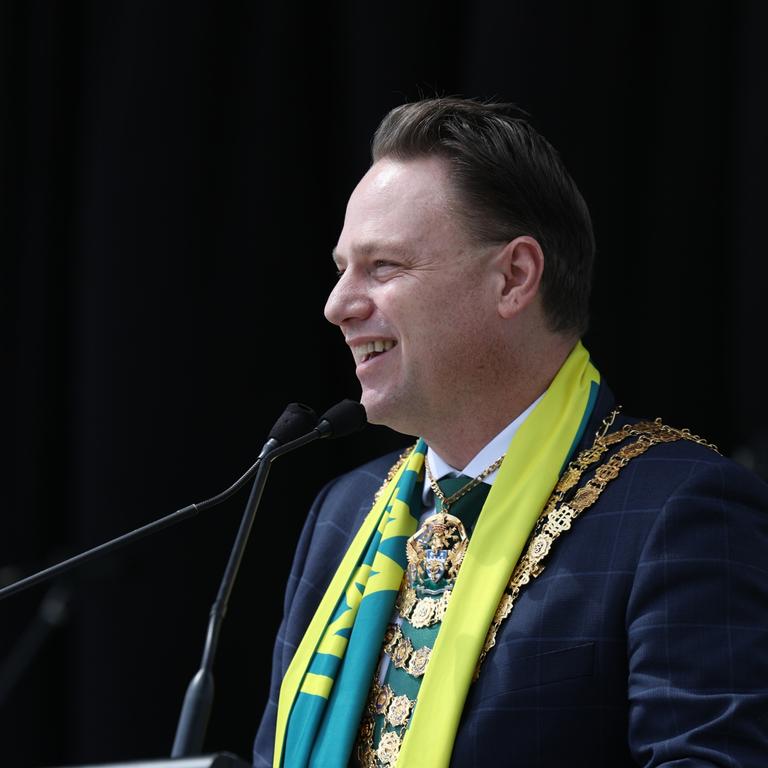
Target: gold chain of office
(557,516)
(555,519)
(465,489)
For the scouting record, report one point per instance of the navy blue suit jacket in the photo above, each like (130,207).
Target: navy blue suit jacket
(643,643)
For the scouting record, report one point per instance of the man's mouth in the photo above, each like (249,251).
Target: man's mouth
(365,352)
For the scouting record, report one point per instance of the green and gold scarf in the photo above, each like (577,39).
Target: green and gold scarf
(325,687)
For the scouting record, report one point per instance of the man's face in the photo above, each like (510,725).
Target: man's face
(413,297)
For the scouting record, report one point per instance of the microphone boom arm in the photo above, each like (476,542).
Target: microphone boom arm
(198,700)
(109,546)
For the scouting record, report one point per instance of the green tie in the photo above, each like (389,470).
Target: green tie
(466,508)
(408,646)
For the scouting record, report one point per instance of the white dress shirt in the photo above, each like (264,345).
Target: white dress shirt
(488,454)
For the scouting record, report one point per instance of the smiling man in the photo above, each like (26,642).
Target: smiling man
(631,551)
(453,317)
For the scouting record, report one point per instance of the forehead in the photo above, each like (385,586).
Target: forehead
(400,204)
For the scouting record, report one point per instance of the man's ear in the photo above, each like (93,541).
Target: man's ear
(520,265)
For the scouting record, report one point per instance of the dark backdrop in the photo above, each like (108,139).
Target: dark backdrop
(173,178)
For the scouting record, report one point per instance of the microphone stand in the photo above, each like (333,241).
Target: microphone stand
(295,420)
(344,418)
(196,710)
(341,419)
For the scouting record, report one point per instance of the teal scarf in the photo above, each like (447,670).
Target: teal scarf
(326,713)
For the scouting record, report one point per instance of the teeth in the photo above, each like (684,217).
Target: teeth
(362,352)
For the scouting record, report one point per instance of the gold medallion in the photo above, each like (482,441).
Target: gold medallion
(382,699)
(391,636)
(569,479)
(539,547)
(635,449)
(423,613)
(607,472)
(560,520)
(417,664)
(585,497)
(389,748)
(435,550)
(401,651)
(399,710)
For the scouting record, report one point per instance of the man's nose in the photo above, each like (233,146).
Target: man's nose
(347,301)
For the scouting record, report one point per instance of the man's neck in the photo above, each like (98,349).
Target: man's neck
(458,439)
(488,454)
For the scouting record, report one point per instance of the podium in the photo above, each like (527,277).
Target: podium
(218,760)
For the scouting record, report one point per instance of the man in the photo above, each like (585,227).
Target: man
(591,589)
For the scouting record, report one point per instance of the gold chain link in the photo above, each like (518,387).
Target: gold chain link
(454,497)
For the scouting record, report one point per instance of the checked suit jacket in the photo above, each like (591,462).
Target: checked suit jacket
(643,643)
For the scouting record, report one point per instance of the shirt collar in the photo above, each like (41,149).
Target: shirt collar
(486,456)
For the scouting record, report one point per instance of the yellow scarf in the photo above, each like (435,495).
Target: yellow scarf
(534,461)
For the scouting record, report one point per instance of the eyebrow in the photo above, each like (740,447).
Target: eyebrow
(373,246)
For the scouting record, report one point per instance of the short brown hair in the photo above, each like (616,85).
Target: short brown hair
(512,182)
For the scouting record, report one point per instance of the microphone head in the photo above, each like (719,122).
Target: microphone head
(342,419)
(296,421)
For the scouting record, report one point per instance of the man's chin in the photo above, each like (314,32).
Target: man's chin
(385,412)
(378,409)
(373,412)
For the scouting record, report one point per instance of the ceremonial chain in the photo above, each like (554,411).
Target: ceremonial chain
(454,497)
(557,517)
(393,470)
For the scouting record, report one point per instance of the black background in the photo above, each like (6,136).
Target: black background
(173,178)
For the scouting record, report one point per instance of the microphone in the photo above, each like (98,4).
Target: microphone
(340,420)
(296,420)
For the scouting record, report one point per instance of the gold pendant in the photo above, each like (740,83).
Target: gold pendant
(436,550)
